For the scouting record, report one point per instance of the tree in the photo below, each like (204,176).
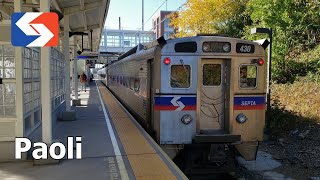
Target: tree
(204,16)
(296,25)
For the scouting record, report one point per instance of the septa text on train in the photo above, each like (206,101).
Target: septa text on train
(248,103)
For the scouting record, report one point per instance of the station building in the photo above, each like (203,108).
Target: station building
(35,82)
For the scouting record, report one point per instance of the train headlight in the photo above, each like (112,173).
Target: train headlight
(241,118)
(226,47)
(186,119)
(216,47)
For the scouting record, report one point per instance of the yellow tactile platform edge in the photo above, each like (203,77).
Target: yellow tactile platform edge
(145,162)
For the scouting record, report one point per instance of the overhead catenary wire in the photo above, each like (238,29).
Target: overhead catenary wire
(155,11)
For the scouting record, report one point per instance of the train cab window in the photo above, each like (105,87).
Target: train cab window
(211,75)
(248,76)
(180,76)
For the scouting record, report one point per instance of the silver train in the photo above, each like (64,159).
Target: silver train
(199,97)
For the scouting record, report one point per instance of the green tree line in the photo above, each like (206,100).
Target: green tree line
(295,24)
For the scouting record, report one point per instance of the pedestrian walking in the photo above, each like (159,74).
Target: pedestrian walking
(83,81)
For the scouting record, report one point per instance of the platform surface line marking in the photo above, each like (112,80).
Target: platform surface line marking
(144,160)
(121,166)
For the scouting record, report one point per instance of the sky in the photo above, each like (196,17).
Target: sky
(130,12)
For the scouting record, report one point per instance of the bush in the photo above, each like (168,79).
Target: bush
(290,70)
(283,121)
(294,106)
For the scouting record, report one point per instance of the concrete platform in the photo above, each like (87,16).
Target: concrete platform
(102,158)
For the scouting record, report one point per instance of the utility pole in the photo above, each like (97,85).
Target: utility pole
(166,5)
(269,32)
(142,15)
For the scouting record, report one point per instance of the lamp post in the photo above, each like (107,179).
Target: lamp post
(269,32)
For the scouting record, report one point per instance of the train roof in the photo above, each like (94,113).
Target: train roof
(161,42)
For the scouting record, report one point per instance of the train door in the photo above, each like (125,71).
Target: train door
(211,95)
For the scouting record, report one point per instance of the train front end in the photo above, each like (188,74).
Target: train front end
(211,99)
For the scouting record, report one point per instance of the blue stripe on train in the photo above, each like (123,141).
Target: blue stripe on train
(166,101)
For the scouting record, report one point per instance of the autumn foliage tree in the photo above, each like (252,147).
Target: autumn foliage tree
(206,16)
(295,24)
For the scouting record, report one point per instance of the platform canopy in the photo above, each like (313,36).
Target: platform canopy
(84,15)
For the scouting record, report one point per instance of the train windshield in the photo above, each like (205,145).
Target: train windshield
(248,76)
(180,76)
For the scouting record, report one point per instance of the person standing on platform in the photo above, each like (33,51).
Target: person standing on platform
(83,81)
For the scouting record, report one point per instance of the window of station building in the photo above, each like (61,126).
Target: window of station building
(248,76)
(129,40)
(102,41)
(166,23)
(7,61)
(180,76)
(211,74)
(113,41)
(145,39)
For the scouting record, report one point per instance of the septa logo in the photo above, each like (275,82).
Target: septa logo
(34,29)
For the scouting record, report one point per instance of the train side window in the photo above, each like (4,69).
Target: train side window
(128,82)
(180,76)
(125,81)
(131,83)
(248,76)
(143,87)
(136,84)
(211,75)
